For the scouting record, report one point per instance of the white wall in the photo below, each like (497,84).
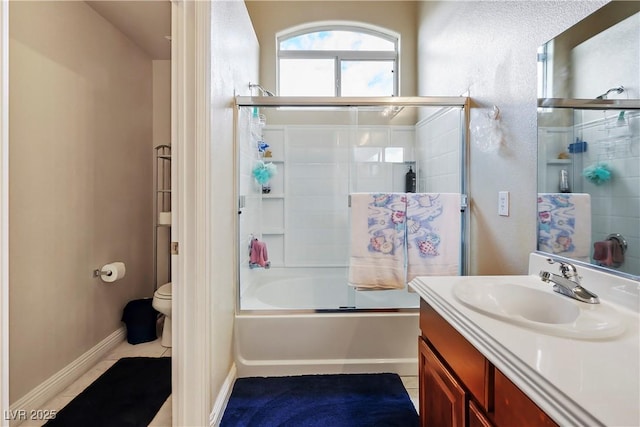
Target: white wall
(488,50)
(234,63)
(80,183)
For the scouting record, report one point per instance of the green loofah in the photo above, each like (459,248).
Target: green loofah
(597,174)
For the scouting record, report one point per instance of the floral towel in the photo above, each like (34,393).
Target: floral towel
(377,240)
(433,234)
(564,224)
(396,237)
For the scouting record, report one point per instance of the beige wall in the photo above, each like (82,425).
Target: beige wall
(271,17)
(162,136)
(80,183)
(488,48)
(161,102)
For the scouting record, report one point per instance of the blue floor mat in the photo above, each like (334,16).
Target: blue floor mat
(341,400)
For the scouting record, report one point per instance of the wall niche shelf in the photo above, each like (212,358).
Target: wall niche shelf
(559,162)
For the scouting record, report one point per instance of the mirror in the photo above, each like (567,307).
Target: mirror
(589,141)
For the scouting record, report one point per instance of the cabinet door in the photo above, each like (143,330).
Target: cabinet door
(513,407)
(477,418)
(442,400)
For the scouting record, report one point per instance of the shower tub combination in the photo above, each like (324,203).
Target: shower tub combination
(300,316)
(286,327)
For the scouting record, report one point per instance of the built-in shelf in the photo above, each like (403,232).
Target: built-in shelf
(273,232)
(559,162)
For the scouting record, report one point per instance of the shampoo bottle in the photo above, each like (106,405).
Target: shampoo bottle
(410,181)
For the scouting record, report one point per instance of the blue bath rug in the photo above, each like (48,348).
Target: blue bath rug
(341,400)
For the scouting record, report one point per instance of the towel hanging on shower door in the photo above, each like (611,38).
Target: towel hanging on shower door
(433,234)
(377,241)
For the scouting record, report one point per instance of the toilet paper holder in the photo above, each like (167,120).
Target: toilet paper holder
(110,272)
(97,273)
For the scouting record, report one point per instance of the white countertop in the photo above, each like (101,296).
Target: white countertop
(578,382)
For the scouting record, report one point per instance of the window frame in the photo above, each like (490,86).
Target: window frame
(341,55)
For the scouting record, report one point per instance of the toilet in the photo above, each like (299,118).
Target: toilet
(162,303)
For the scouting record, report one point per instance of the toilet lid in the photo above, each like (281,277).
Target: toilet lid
(164,291)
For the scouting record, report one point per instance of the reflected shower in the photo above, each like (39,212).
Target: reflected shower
(618,89)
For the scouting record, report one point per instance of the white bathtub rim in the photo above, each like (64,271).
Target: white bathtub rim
(400,366)
(318,362)
(327,313)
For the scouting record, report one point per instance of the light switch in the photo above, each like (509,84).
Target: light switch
(503,203)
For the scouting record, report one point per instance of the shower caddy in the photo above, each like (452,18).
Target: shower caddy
(162,209)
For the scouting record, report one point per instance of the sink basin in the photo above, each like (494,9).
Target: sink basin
(540,309)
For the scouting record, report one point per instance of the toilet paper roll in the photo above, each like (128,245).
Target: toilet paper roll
(112,272)
(164,218)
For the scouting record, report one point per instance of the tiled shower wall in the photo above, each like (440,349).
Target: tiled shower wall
(249,205)
(305,217)
(438,152)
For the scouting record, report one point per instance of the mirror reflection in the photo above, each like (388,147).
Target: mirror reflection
(589,141)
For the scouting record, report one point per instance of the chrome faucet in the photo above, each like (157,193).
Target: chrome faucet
(569,283)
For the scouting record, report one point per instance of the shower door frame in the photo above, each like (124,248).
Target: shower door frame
(344,102)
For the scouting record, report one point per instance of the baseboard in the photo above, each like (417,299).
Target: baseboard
(49,389)
(223,397)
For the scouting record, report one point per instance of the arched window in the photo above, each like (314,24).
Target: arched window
(337,60)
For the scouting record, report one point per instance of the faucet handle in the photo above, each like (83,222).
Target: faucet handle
(567,269)
(545,276)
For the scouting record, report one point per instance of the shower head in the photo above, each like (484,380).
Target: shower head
(618,89)
(262,90)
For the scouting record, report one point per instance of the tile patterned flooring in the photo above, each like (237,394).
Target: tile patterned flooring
(150,349)
(124,349)
(411,384)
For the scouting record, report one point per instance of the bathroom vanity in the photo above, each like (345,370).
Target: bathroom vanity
(530,356)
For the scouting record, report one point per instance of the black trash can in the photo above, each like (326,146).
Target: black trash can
(140,318)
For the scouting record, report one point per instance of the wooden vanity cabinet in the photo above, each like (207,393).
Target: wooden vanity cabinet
(443,401)
(459,387)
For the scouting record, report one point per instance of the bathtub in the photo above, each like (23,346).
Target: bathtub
(294,321)
(317,289)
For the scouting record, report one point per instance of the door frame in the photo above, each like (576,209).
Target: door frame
(4,212)
(191,165)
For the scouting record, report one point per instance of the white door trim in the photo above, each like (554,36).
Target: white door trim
(4,211)
(191,169)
